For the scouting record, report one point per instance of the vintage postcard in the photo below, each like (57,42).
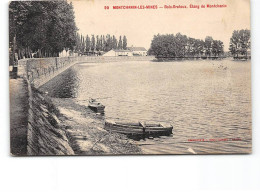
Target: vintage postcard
(130,77)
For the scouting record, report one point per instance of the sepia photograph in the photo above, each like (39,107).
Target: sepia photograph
(130,77)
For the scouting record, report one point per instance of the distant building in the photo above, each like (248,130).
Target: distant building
(119,53)
(130,51)
(138,51)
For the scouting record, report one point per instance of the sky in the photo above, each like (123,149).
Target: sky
(141,25)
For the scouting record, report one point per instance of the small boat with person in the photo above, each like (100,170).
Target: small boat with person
(138,130)
(96,106)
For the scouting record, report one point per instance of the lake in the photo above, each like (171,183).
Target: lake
(208,102)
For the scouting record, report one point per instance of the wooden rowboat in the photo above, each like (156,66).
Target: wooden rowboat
(96,106)
(138,130)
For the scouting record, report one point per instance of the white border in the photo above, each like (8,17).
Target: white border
(227,173)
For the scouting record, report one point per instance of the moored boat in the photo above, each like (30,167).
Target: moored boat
(139,129)
(96,106)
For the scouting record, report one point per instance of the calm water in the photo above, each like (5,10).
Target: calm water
(208,100)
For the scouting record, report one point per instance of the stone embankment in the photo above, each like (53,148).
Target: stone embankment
(34,126)
(45,136)
(41,70)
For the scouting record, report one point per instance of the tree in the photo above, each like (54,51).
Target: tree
(191,45)
(163,46)
(114,42)
(101,43)
(208,45)
(98,44)
(124,43)
(234,43)
(109,43)
(200,48)
(240,43)
(104,43)
(78,43)
(88,43)
(120,43)
(217,48)
(45,27)
(181,46)
(245,41)
(93,43)
(82,44)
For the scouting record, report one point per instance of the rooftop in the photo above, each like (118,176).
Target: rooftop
(136,48)
(121,50)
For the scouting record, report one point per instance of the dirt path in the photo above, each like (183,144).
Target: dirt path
(18,116)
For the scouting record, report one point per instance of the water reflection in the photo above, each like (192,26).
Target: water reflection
(64,86)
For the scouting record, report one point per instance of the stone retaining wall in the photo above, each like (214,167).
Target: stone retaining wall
(40,70)
(45,135)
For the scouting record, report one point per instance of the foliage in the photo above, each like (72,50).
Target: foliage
(240,43)
(181,46)
(120,44)
(124,43)
(217,48)
(88,44)
(99,44)
(45,27)
(114,42)
(93,43)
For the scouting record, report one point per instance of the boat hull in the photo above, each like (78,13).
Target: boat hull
(137,130)
(97,109)
(96,106)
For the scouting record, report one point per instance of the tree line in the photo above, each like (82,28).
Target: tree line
(181,46)
(42,27)
(103,43)
(240,44)
(45,28)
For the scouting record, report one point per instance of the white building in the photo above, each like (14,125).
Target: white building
(131,51)
(119,53)
(138,51)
